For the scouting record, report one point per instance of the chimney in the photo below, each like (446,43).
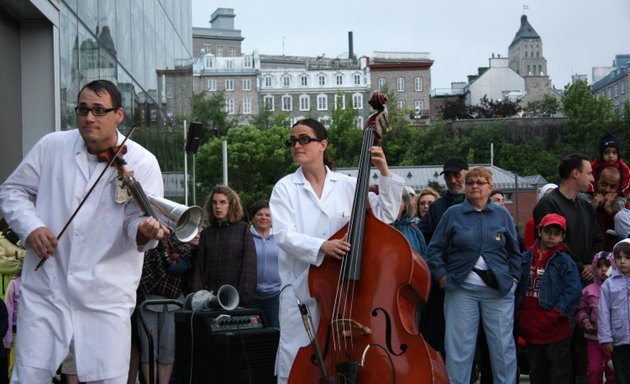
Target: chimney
(350,47)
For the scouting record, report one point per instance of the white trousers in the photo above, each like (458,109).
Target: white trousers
(30,375)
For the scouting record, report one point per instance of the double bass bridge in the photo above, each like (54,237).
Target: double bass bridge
(344,327)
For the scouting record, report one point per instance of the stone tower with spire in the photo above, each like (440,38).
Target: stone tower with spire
(526,51)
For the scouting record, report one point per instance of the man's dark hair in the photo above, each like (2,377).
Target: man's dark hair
(568,164)
(497,192)
(100,86)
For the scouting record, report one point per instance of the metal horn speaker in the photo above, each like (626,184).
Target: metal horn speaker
(227,298)
(185,221)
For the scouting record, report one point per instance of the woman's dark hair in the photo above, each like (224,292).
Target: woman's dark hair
(255,207)
(321,133)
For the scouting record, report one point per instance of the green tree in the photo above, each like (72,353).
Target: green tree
(488,108)
(266,119)
(256,161)
(345,137)
(454,110)
(210,111)
(587,115)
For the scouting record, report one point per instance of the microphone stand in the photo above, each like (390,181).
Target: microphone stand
(308,321)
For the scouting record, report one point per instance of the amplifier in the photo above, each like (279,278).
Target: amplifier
(224,347)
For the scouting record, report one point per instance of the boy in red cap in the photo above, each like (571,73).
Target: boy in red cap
(546,296)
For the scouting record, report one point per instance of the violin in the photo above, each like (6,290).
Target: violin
(367,331)
(113,157)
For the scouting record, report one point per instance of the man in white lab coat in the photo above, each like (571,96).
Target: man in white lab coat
(86,290)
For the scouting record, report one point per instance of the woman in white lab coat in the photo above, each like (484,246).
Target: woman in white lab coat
(308,206)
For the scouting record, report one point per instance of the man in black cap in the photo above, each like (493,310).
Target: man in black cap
(454,171)
(432,322)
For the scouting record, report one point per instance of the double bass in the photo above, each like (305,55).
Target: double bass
(367,331)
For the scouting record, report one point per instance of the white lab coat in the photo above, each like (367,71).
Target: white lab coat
(87,289)
(301,223)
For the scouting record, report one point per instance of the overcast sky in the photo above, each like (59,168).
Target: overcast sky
(460,35)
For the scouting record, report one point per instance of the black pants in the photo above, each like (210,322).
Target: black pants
(621,362)
(432,324)
(550,363)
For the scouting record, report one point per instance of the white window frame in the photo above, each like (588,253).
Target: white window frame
(268,102)
(418,83)
(267,81)
(229,106)
(247,106)
(400,84)
(208,61)
(359,122)
(322,102)
(229,64)
(305,103)
(419,106)
(339,79)
(357,79)
(401,104)
(212,85)
(169,91)
(357,101)
(229,85)
(343,101)
(287,103)
(382,82)
(321,80)
(247,61)
(286,81)
(247,85)
(304,81)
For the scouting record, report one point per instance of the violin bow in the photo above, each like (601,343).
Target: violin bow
(100,176)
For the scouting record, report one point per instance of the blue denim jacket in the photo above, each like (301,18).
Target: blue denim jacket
(464,234)
(560,285)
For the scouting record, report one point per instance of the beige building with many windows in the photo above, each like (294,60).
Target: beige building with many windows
(408,76)
(300,86)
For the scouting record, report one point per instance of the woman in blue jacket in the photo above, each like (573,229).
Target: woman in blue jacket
(474,255)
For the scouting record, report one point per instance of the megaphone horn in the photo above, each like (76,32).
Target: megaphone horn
(185,221)
(227,298)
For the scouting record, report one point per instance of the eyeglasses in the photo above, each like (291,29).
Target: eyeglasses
(302,139)
(480,183)
(96,111)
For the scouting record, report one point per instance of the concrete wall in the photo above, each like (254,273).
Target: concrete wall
(10,95)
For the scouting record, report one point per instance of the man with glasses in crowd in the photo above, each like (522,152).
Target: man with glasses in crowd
(86,291)
(432,321)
